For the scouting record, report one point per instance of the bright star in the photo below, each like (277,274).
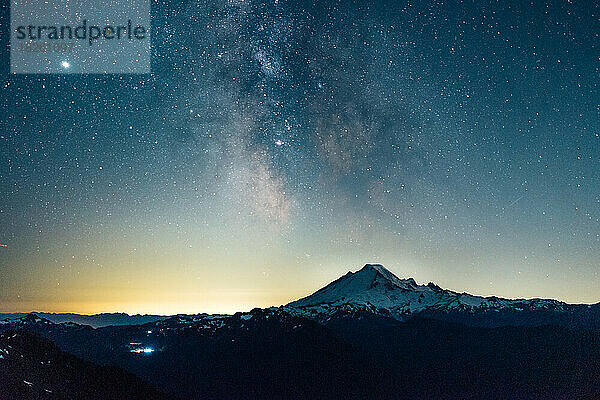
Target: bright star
(65,64)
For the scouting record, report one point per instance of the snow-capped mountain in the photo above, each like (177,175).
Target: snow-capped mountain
(372,291)
(368,334)
(375,289)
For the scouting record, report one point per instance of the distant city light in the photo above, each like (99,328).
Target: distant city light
(142,350)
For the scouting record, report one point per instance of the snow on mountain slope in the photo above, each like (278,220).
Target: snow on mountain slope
(375,289)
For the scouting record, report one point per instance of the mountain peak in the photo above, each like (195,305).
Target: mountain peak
(376,289)
(387,274)
(376,267)
(30,318)
(373,284)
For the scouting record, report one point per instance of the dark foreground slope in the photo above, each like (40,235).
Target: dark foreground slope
(271,354)
(262,355)
(32,367)
(430,359)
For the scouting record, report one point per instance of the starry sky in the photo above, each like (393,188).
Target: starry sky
(277,145)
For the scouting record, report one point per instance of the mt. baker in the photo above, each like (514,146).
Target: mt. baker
(368,334)
(376,290)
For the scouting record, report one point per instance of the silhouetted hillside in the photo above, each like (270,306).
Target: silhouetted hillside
(32,367)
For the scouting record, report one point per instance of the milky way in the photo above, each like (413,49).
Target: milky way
(278,144)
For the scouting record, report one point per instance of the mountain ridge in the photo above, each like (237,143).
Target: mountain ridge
(369,328)
(374,288)
(94,320)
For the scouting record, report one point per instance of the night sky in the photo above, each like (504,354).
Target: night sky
(277,145)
